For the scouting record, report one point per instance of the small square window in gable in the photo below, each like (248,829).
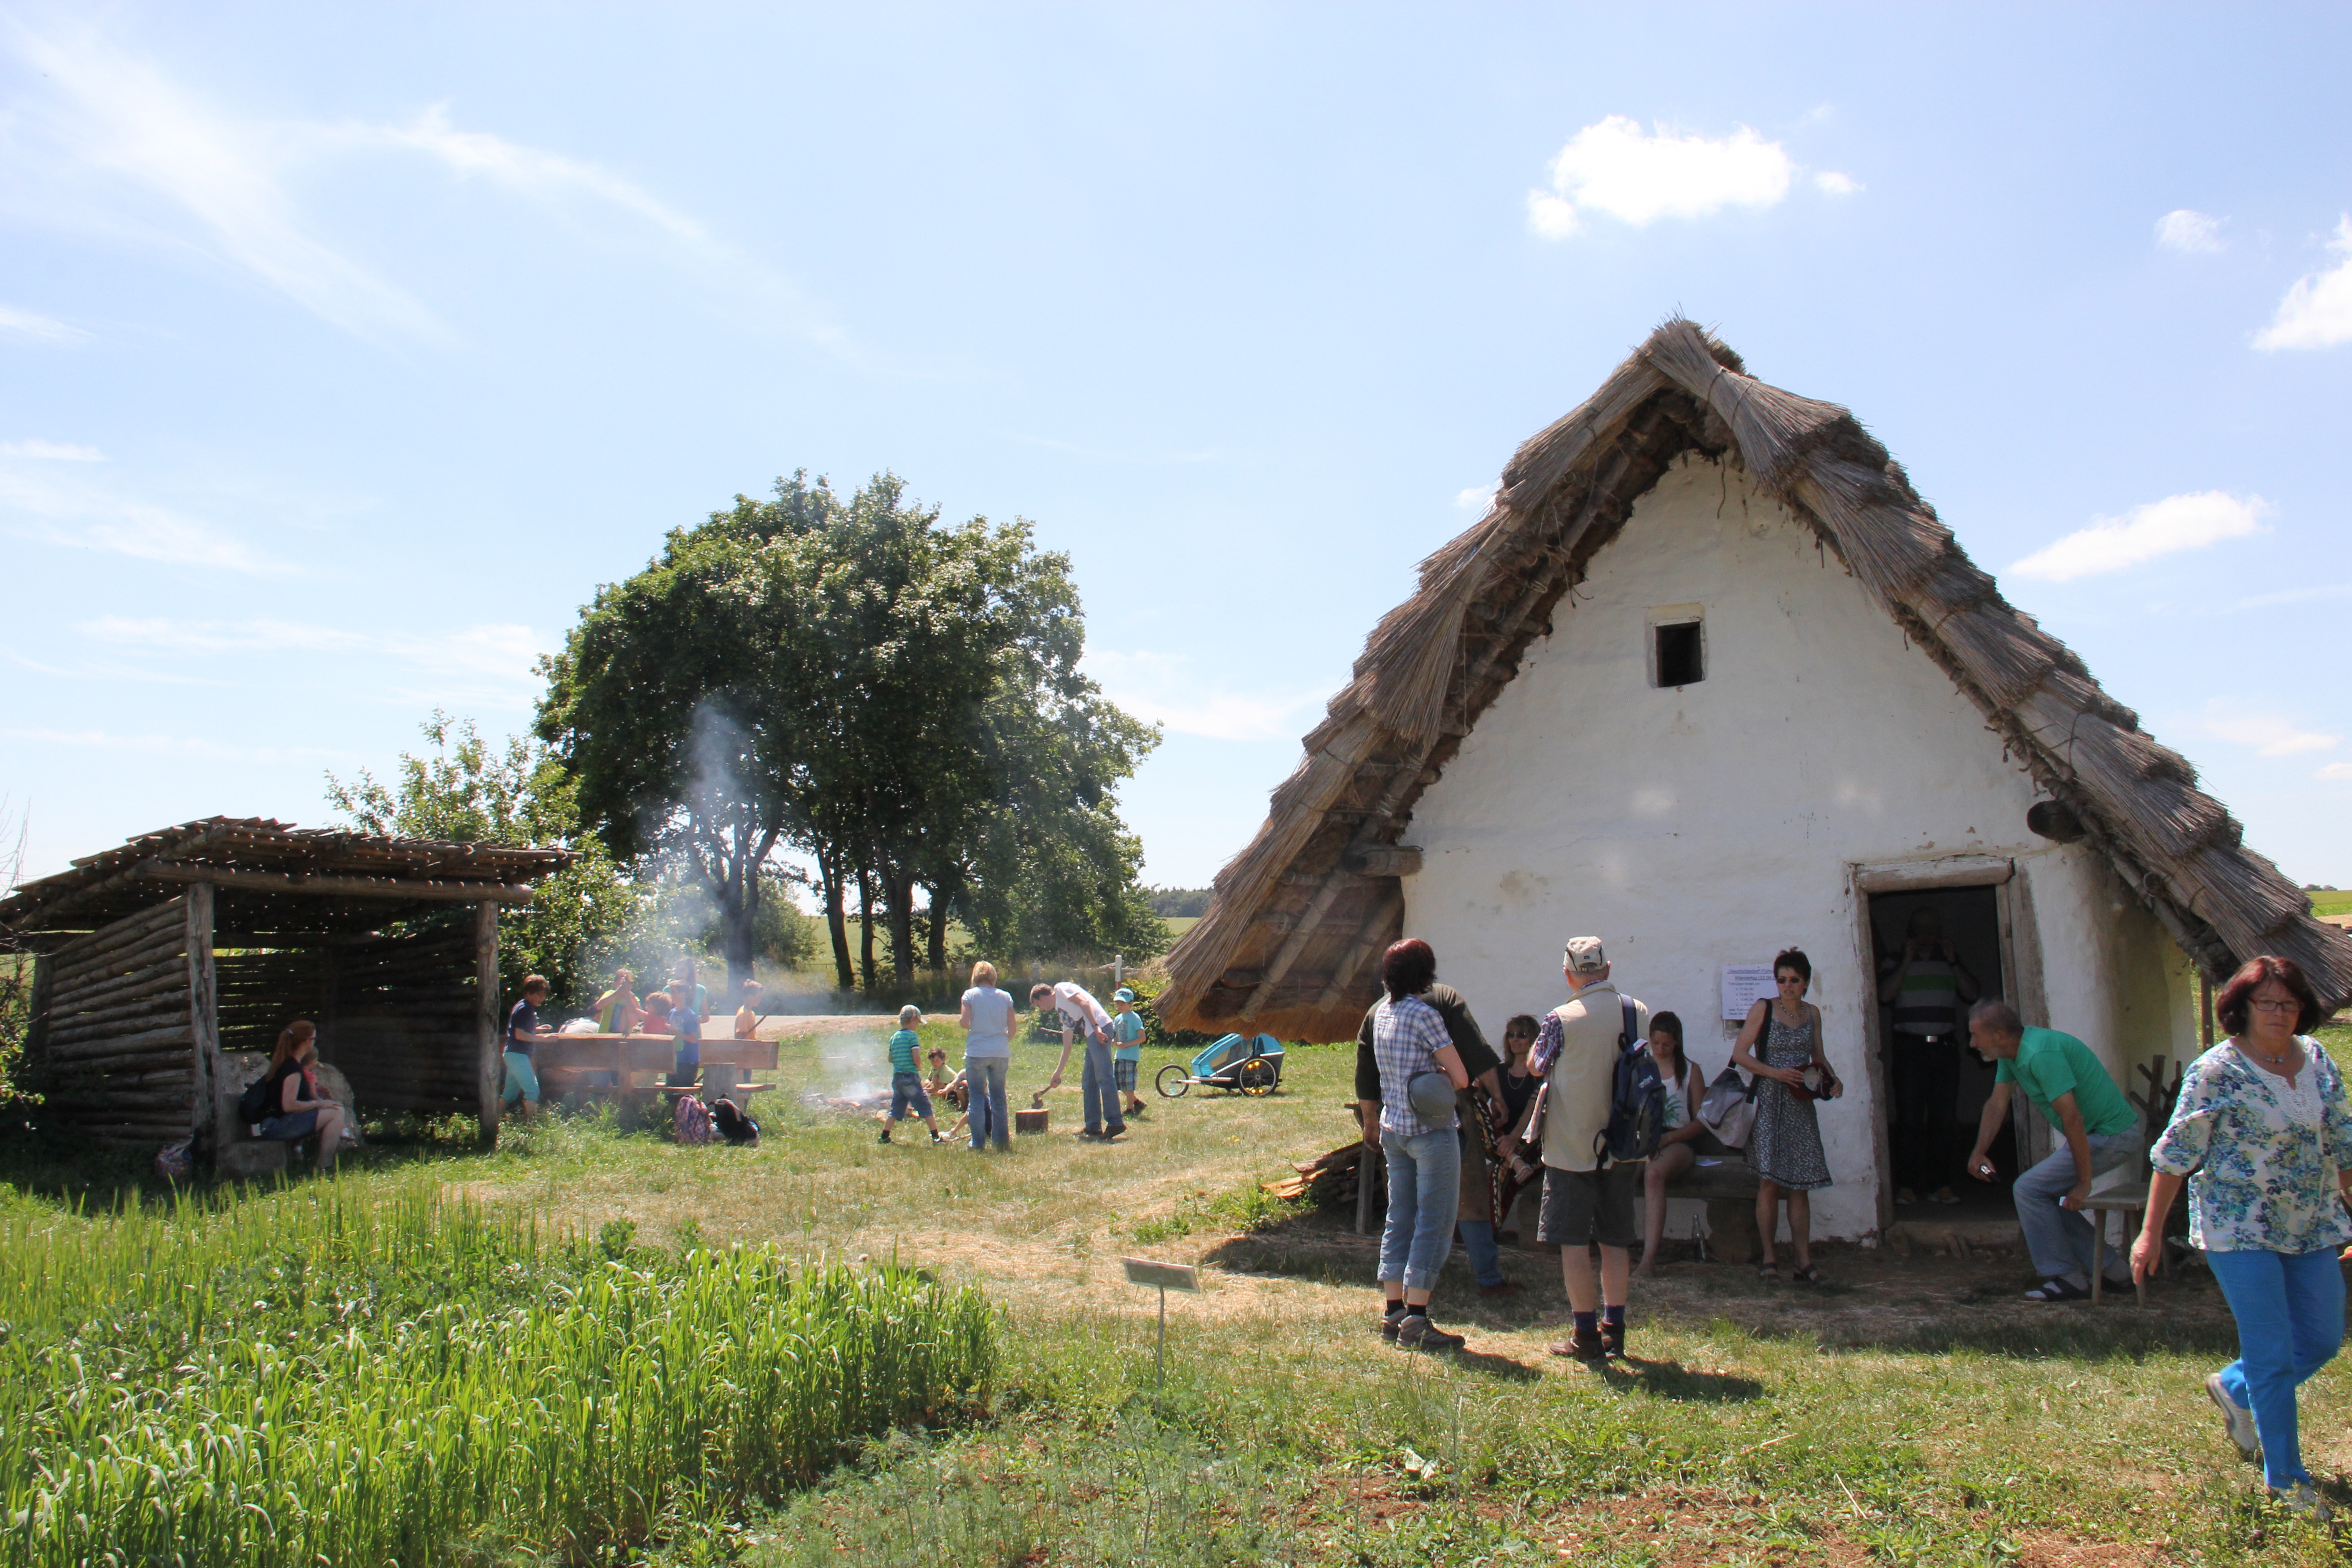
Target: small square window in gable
(1677,645)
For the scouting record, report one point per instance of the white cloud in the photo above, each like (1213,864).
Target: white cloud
(178,746)
(2317,311)
(2185,228)
(1477,498)
(500,652)
(110,114)
(51,451)
(32,328)
(1613,166)
(2266,734)
(1830,183)
(2335,771)
(89,517)
(2144,533)
(1165,689)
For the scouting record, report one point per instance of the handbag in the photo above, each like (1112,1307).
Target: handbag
(1728,1107)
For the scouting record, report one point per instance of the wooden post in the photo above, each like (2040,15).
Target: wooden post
(209,1122)
(486,1018)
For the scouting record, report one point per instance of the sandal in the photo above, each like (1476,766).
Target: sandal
(1770,1271)
(1811,1274)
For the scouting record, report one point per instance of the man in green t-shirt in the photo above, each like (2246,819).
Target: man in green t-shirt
(2071,1087)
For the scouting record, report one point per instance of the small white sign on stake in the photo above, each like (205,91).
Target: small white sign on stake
(1167,1276)
(1744,985)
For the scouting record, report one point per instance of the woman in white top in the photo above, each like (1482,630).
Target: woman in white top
(987,1019)
(1677,1151)
(2259,1136)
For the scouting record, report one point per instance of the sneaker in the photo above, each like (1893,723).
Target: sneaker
(1502,1291)
(1388,1321)
(1613,1339)
(885,1136)
(1582,1346)
(1942,1195)
(2237,1421)
(2304,1500)
(1418,1334)
(939,1137)
(2051,1290)
(1905,1197)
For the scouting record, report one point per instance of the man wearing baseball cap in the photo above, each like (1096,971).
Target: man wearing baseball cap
(1585,1200)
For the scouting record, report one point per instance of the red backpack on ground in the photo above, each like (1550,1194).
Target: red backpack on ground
(690,1122)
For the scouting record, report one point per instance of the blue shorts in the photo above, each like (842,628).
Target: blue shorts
(522,1078)
(906,1091)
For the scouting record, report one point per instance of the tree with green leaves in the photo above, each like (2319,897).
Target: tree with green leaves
(466,792)
(898,699)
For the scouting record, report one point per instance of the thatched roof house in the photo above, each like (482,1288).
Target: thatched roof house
(1785,690)
(163,960)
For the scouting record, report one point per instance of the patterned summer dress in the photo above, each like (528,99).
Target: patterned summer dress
(1785,1147)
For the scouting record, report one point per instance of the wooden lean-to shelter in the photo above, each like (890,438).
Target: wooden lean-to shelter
(163,963)
(1709,678)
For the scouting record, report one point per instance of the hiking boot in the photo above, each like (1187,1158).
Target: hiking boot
(1582,1346)
(1612,1339)
(2304,1500)
(1418,1334)
(2237,1421)
(1502,1291)
(1388,1321)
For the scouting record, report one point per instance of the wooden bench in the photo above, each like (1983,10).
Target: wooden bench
(626,1067)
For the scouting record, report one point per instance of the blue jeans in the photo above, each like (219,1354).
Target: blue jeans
(983,1078)
(2060,1240)
(1425,1184)
(908,1097)
(2290,1312)
(1099,1090)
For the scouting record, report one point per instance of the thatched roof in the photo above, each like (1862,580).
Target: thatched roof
(1287,942)
(275,868)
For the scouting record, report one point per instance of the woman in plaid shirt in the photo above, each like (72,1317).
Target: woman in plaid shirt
(1424,1161)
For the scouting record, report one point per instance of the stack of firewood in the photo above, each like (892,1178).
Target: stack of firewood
(1328,1180)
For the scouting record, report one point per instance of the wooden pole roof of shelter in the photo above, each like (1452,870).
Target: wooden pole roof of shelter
(1289,942)
(275,871)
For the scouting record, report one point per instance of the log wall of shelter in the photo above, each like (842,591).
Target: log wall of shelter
(115,1056)
(395,1012)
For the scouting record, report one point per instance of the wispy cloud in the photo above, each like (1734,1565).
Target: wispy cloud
(179,746)
(2317,311)
(117,115)
(37,329)
(1613,166)
(1477,498)
(1830,183)
(2335,771)
(228,182)
(2185,228)
(1166,689)
(2292,596)
(85,516)
(495,661)
(51,451)
(2145,533)
(2266,734)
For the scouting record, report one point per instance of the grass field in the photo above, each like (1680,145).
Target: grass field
(1179,924)
(2331,903)
(1908,1411)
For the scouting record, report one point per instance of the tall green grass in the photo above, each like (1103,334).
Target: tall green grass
(334,1376)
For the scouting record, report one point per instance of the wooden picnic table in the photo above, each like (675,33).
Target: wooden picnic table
(600,1065)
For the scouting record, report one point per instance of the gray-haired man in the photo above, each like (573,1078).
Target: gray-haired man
(1585,1200)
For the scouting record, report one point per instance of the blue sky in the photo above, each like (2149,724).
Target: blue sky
(344,350)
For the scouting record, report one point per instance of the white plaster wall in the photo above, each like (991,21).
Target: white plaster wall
(1719,823)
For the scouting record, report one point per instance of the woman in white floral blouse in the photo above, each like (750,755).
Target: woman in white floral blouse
(2259,1135)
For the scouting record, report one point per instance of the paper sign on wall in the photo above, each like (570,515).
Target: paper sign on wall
(1744,985)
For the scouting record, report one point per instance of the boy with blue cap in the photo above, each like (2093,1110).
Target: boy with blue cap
(1127,1029)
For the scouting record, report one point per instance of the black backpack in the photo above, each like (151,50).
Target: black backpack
(1637,1098)
(732,1124)
(256,1104)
